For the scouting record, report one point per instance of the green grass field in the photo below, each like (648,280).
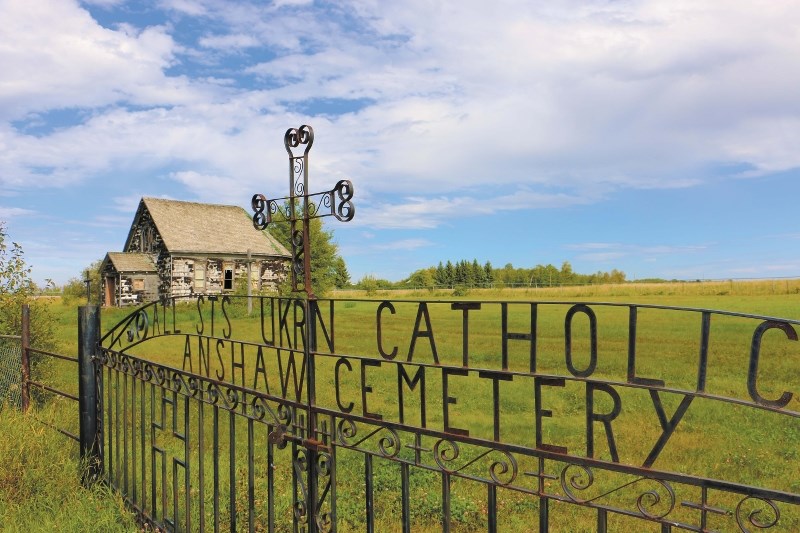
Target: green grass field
(714,439)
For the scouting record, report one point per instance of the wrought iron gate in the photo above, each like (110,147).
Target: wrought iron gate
(462,415)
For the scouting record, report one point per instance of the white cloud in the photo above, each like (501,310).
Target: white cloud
(229,42)
(605,252)
(186,7)
(404,244)
(573,100)
(103,3)
(11,212)
(211,188)
(429,212)
(54,56)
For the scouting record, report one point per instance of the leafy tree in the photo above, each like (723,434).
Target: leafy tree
(75,288)
(424,278)
(324,252)
(371,284)
(617,276)
(16,289)
(566,274)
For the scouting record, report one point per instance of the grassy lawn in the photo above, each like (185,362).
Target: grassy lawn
(713,439)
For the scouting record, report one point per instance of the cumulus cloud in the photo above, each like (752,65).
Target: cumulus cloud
(603,252)
(404,244)
(54,56)
(11,212)
(556,104)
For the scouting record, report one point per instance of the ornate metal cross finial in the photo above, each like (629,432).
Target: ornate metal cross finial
(336,202)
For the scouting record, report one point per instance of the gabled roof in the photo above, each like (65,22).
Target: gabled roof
(130,262)
(206,228)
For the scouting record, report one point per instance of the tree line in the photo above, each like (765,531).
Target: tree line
(471,274)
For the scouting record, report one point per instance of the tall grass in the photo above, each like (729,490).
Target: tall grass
(40,487)
(772,287)
(754,453)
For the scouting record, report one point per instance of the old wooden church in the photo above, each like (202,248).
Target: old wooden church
(186,248)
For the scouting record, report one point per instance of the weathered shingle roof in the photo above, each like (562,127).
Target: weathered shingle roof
(209,228)
(131,262)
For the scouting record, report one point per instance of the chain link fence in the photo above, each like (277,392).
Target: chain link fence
(10,370)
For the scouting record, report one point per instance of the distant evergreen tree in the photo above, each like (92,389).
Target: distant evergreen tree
(478,276)
(342,276)
(449,274)
(441,276)
(461,275)
(488,273)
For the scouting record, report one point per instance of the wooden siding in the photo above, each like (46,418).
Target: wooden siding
(188,273)
(204,275)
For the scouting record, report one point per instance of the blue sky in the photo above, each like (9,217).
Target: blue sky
(659,138)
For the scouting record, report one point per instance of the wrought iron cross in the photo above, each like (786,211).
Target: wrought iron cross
(336,202)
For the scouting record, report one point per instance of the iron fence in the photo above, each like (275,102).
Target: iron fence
(453,415)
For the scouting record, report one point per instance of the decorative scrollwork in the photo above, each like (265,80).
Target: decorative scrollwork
(299,183)
(179,383)
(345,210)
(502,471)
(147,371)
(754,516)
(325,522)
(285,414)
(138,326)
(389,443)
(231,398)
(297,238)
(301,460)
(336,202)
(324,464)
(579,481)
(300,511)
(136,368)
(160,375)
(345,430)
(212,389)
(261,408)
(297,259)
(501,467)
(445,451)
(648,502)
(650,499)
(195,387)
(294,137)
(263,211)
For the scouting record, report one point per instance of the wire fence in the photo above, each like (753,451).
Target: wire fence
(11,370)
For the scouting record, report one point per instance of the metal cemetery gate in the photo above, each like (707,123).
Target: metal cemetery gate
(360,415)
(458,414)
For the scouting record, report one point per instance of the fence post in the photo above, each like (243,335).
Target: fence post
(25,343)
(89,393)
